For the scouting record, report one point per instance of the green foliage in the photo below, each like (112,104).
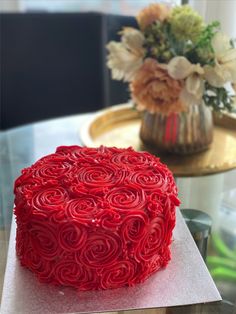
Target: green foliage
(218,98)
(157,42)
(204,47)
(162,44)
(232,43)
(202,51)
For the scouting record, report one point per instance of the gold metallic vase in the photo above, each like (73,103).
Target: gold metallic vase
(182,133)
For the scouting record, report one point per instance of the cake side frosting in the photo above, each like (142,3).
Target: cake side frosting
(95,218)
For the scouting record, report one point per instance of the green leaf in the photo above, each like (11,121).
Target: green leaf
(218,98)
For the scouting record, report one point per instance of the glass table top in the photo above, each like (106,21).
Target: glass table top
(216,195)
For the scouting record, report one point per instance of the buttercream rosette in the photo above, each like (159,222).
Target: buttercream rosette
(95,218)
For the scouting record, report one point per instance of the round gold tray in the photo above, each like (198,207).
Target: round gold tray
(119,126)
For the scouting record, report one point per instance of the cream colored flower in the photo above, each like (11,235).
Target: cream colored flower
(180,68)
(193,90)
(154,12)
(126,57)
(220,43)
(154,90)
(133,40)
(225,62)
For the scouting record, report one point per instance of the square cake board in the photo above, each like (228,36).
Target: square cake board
(184,281)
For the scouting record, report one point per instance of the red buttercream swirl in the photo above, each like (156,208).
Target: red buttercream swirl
(85,155)
(33,261)
(95,175)
(50,199)
(132,159)
(24,189)
(108,219)
(95,218)
(153,240)
(24,178)
(120,274)
(126,197)
(69,273)
(72,235)
(43,237)
(149,180)
(83,208)
(22,241)
(23,210)
(134,226)
(55,169)
(100,250)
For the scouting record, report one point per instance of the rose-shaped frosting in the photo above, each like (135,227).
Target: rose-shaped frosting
(50,199)
(108,219)
(153,240)
(134,226)
(84,155)
(25,187)
(42,268)
(150,180)
(164,203)
(95,175)
(69,273)
(22,241)
(24,211)
(95,218)
(43,237)
(165,255)
(120,274)
(125,198)
(83,208)
(133,159)
(26,175)
(100,250)
(53,169)
(76,151)
(52,158)
(72,235)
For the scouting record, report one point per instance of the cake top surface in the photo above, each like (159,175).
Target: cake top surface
(92,179)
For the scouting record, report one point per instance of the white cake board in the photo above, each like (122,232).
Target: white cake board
(186,280)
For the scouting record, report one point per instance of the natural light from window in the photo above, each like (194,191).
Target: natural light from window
(126,7)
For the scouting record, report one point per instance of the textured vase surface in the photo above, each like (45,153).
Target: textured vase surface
(183,133)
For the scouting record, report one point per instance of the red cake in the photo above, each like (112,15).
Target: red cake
(95,218)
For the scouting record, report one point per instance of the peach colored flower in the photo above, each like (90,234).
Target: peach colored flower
(155,11)
(154,90)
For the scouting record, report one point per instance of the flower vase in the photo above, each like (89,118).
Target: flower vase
(182,133)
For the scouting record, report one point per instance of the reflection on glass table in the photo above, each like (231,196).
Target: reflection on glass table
(216,194)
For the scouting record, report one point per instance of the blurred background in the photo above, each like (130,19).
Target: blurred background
(126,7)
(53,64)
(53,55)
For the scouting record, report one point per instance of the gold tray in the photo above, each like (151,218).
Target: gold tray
(119,126)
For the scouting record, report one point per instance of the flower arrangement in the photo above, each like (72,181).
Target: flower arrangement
(174,60)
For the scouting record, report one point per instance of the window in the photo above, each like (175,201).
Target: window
(126,7)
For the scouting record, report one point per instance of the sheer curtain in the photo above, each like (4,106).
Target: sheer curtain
(9,5)
(124,7)
(221,10)
(192,189)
